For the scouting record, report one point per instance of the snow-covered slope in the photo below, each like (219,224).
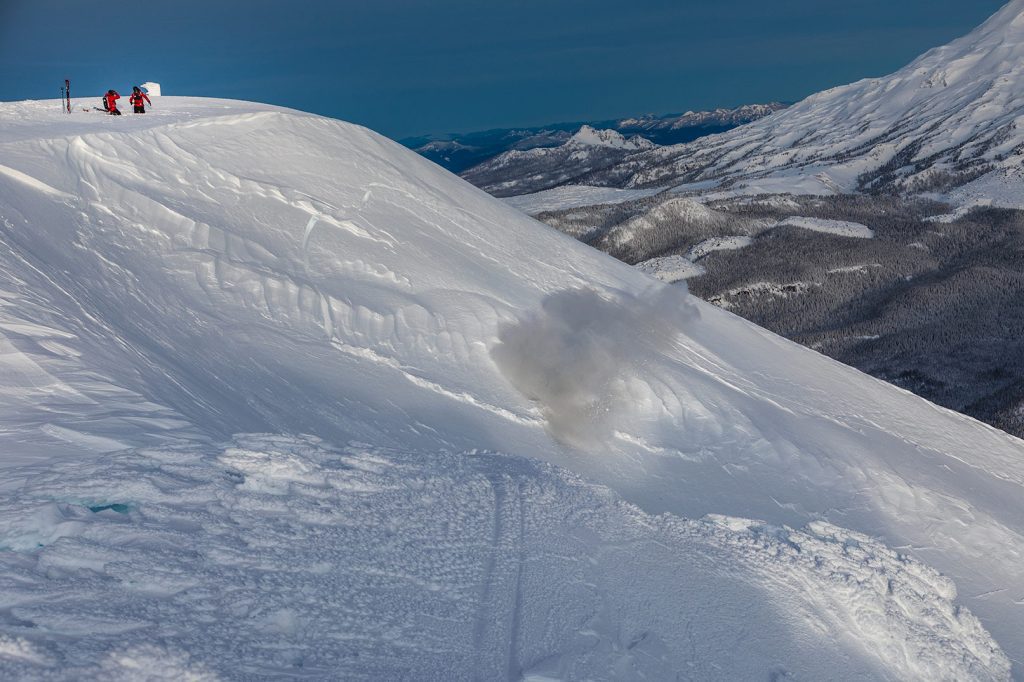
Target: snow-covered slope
(948,122)
(514,441)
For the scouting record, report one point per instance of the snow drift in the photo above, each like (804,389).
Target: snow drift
(172,281)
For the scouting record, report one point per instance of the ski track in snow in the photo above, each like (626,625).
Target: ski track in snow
(277,556)
(219,268)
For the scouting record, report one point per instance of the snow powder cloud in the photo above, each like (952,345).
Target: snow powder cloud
(576,353)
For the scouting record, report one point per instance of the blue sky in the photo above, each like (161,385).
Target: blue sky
(407,67)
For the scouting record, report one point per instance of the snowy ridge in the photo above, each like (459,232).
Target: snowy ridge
(589,137)
(742,114)
(948,120)
(217,268)
(675,209)
(715,117)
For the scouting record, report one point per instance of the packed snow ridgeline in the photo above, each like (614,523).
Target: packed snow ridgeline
(529,461)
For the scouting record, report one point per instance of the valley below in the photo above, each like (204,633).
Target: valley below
(930,302)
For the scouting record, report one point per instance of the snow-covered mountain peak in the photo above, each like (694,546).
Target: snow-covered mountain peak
(948,123)
(989,56)
(587,136)
(523,458)
(992,52)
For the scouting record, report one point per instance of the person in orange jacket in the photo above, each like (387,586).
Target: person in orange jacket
(110,102)
(137,98)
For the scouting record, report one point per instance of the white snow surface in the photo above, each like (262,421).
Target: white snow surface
(524,459)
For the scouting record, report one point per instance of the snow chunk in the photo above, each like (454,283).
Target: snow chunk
(18,650)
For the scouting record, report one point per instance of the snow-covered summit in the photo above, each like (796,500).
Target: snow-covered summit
(588,136)
(947,121)
(281,397)
(587,152)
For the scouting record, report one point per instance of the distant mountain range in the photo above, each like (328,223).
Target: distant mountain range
(460,151)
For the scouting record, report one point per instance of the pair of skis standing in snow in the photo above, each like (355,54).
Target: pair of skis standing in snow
(137,99)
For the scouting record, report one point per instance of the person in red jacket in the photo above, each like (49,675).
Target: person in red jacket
(110,102)
(137,98)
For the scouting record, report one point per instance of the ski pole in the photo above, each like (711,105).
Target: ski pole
(67,86)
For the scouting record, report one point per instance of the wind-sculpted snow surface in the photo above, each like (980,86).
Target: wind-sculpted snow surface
(213,268)
(280,557)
